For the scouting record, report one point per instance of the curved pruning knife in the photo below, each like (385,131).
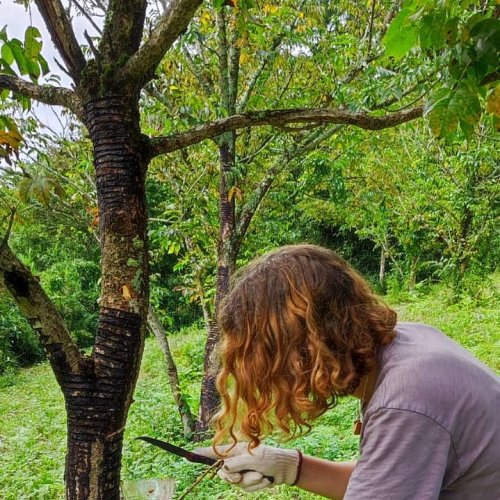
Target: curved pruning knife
(189,455)
(177,450)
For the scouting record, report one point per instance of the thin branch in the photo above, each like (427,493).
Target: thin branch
(9,227)
(88,16)
(95,52)
(205,83)
(63,36)
(249,158)
(233,68)
(492,77)
(392,100)
(170,26)
(55,96)
(370,34)
(223,59)
(249,209)
(263,63)
(62,68)
(276,118)
(157,95)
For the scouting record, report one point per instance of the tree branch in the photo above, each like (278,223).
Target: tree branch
(84,12)
(205,83)
(170,26)
(250,207)
(277,118)
(41,313)
(55,96)
(62,35)
(252,82)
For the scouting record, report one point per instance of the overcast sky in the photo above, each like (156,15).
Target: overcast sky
(17,19)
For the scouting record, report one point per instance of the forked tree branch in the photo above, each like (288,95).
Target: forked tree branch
(170,26)
(41,313)
(277,118)
(63,36)
(281,164)
(47,94)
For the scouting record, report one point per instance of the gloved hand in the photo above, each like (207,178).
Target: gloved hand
(263,467)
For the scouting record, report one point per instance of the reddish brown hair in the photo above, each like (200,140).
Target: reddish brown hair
(300,328)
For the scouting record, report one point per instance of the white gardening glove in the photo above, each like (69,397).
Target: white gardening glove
(263,467)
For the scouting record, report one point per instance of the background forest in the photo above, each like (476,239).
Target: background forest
(411,200)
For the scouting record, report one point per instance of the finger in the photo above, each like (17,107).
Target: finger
(265,483)
(230,477)
(222,451)
(206,452)
(250,478)
(241,462)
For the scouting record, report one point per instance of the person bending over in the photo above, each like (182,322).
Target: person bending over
(300,329)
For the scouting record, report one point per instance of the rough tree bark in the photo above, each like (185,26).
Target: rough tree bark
(98,388)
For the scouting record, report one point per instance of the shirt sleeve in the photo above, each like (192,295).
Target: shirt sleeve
(404,455)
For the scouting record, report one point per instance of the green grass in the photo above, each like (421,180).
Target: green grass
(32,418)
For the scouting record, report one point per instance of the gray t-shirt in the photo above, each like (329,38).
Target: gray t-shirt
(432,427)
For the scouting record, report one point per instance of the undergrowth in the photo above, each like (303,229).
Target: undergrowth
(32,418)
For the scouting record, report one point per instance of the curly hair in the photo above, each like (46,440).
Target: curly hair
(299,328)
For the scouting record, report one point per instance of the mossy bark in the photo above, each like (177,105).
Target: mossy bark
(97,403)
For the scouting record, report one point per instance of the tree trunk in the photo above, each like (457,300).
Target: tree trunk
(226,256)
(97,406)
(381,272)
(98,402)
(412,279)
(188,423)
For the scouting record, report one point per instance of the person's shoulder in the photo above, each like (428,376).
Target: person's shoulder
(427,372)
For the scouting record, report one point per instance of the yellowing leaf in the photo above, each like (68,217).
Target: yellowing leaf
(270,9)
(234,191)
(493,102)
(205,18)
(126,293)
(10,138)
(243,58)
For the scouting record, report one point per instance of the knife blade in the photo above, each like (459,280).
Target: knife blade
(177,450)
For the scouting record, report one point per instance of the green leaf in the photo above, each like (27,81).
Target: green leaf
(33,70)
(493,102)
(486,35)
(39,188)
(7,54)
(469,105)
(6,69)
(451,30)
(44,66)
(402,34)
(432,31)
(442,114)
(32,46)
(447,108)
(19,56)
